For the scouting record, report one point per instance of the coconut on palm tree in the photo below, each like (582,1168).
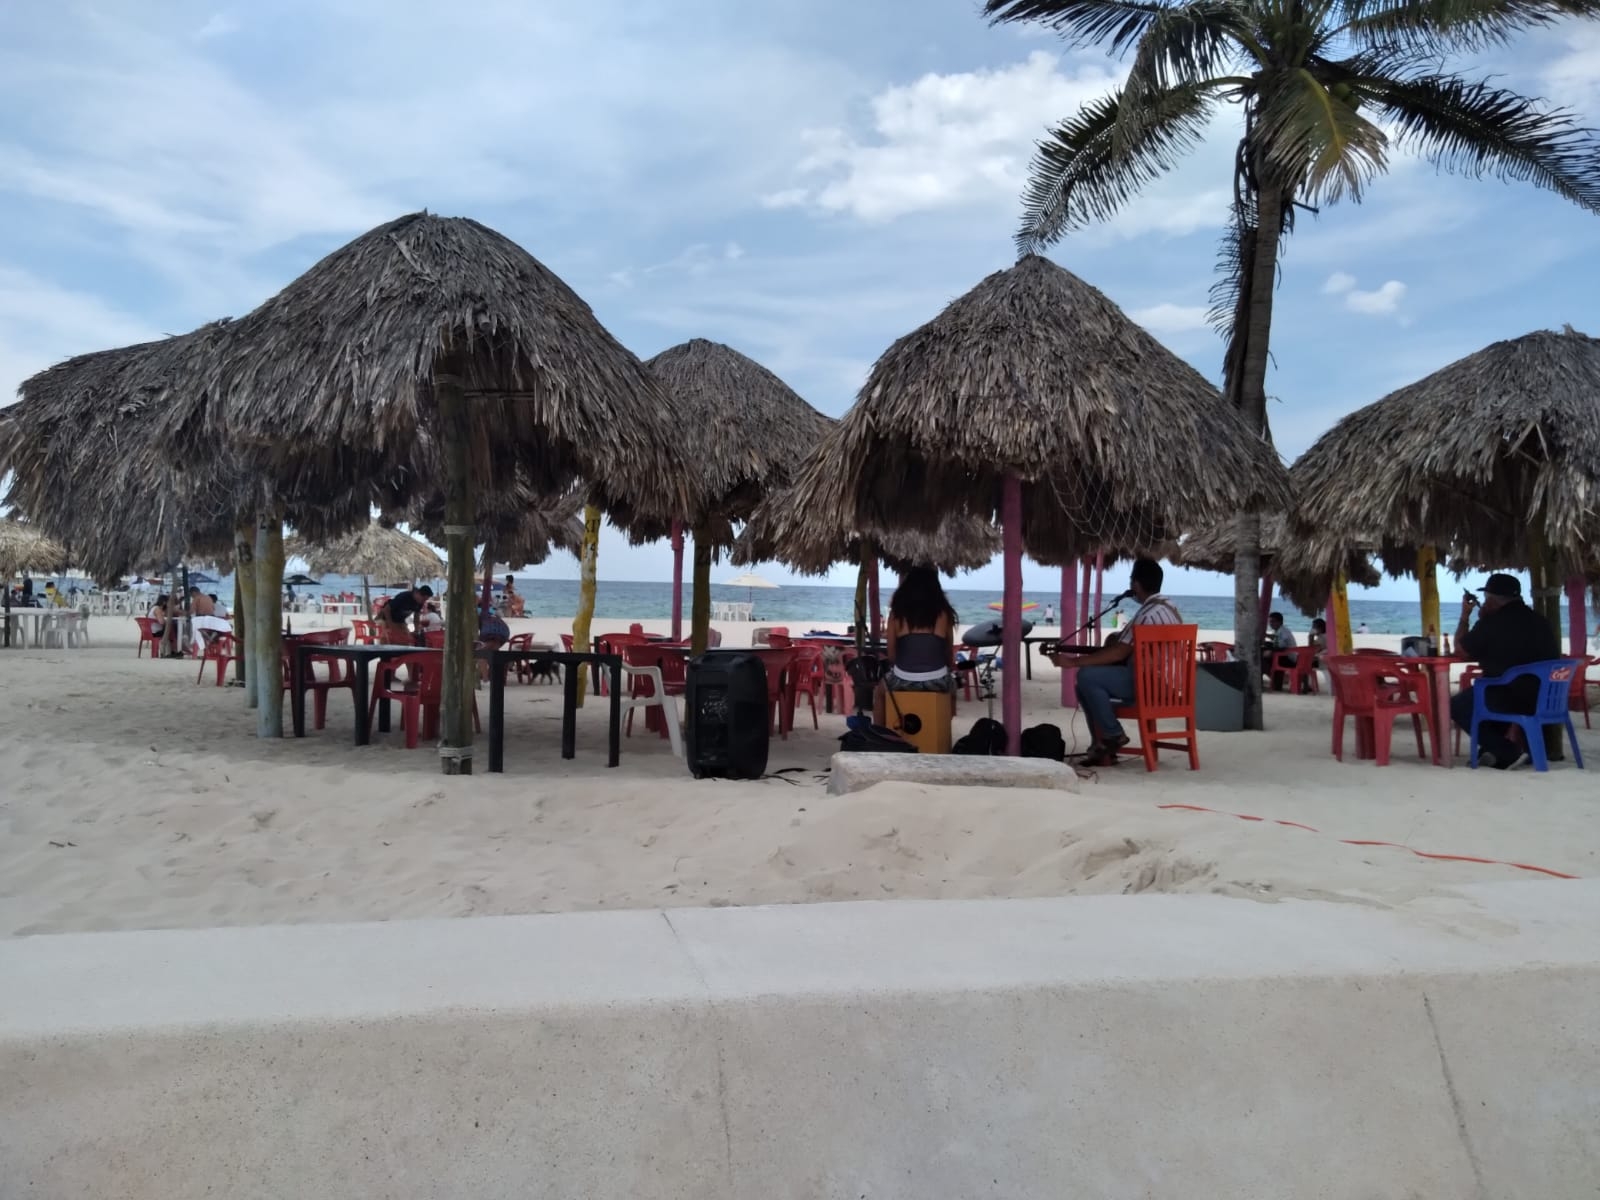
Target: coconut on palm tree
(1327,91)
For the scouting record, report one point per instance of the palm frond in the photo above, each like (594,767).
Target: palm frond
(1313,137)
(1446,26)
(1083,22)
(1089,167)
(1474,129)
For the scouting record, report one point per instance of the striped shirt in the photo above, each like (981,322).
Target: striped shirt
(1157,610)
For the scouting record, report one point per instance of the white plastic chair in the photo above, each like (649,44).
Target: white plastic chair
(657,698)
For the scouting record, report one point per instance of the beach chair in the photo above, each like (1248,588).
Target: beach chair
(418,695)
(222,650)
(148,636)
(809,678)
(1374,690)
(1163,686)
(1554,708)
(1297,668)
(652,679)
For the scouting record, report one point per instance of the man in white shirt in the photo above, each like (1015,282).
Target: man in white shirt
(1105,676)
(1279,638)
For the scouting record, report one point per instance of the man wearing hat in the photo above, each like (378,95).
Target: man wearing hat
(1508,634)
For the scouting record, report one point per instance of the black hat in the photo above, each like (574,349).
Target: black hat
(1508,587)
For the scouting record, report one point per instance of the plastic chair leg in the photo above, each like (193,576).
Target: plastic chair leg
(1572,738)
(1383,738)
(1416,728)
(669,714)
(1535,745)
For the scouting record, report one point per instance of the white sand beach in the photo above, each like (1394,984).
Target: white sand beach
(130,798)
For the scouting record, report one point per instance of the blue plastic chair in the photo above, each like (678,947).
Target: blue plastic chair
(1555,691)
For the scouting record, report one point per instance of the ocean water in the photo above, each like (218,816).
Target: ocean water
(801,603)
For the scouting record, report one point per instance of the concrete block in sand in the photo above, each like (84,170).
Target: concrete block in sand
(853,772)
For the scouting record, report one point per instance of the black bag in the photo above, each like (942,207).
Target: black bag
(875,739)
(1044,741)
(987,736)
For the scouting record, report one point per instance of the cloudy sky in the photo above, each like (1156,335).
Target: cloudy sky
(803,181)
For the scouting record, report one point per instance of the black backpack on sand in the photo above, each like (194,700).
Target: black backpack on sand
(987,736)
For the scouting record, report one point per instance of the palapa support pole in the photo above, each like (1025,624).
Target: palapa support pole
(700,605)
(5,587)
(588,560)
(266,621)
(1011,614)
(1099,595)
(1247,611)
(1069,605)
(460,630)
(1428,592)
(1542,574)
(1085,595)
(366,599)
(1577,617)
(1266,597)
(1339,615)
(860,625)
(874,601)
(677,581)
(244,608)
(487,602)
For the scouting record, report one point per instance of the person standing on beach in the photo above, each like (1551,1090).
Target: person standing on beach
(1049,614)
(1105,676)
(1508,634)
(402,607)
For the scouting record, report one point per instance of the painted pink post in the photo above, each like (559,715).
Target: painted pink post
(1577,617)
(1099,595)
(1069,609)
(1266,600)
(1011,615)
(876,621)
(677,581)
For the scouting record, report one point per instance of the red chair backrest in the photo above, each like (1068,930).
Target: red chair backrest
(147,626)
(433,639)
(1164,669)
(674,664)
(221,645)
(427,674)
(520,641)
(566,642)
(1359,678)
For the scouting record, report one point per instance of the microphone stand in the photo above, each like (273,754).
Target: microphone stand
(1090,622)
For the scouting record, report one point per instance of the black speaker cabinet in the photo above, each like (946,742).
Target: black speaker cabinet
(728,719)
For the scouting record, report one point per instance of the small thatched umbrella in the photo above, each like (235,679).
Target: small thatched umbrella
(1496,457)
(1033,396)
(1284,561)
(746,432)
(23,548)
(435,349)
(378,550)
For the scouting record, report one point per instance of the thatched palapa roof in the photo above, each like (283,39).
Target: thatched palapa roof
(1119,443)
(1304,582)
(378,551)
(24,548)
(741,427)
(332,379)
(1469,458)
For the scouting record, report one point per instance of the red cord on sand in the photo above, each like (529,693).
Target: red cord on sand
(1497,862)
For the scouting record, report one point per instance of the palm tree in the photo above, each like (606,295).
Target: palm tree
(1326,89)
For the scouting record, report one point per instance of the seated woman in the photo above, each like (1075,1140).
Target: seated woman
(921,640)
(158,614)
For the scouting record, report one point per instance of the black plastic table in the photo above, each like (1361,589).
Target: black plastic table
(574,662)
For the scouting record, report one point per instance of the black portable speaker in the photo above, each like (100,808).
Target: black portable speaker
(726,695)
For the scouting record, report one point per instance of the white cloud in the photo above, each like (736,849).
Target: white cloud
(1338,283)
(1573,79)
(42,323)
(217,25)
(1172,318)
(1381,302)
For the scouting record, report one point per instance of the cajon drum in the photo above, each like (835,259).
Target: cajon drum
(923,718)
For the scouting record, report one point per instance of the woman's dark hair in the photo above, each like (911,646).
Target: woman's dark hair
(1319,626)
(920,601)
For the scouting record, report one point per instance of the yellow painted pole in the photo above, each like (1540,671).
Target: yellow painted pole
(1339,603)
(1428,587)
(586,590)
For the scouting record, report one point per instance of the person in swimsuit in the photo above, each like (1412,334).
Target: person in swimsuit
(921,639)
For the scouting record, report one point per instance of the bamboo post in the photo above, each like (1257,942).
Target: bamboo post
(587,560)
(266,622)
(677,581)
(700,602)
(244,591)
(460,627)
(1339,615)
(874,599)
(1069,608)
(1011,614)
(1428,590)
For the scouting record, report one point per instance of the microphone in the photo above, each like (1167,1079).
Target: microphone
(1127,595)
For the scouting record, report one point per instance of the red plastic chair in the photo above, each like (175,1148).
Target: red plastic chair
(1374,692)
(836,679)
(338,674)
(147,637)
(674,668)
(433,639)
(1580,691)
(365,633)
(809,679)
(418,695)
(1216,652)
(222,650)
(1296,666)
(566,642)
(1163,684)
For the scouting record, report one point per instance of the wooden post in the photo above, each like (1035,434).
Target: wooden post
(1577,617)
(874,600)
(1247,611)
(677,581)
(1069,609)
(587,561)
(460,625)
(244,593)
(700,602)
(1266,598)
(1086,595)
(1428,591)
(1011,614)
(266,621)
(1099,595)
(860,624)
(1339,616)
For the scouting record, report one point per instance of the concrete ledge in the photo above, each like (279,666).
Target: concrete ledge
(853,772)
(1160,1046)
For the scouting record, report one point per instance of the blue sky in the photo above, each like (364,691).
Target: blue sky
(805,182)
